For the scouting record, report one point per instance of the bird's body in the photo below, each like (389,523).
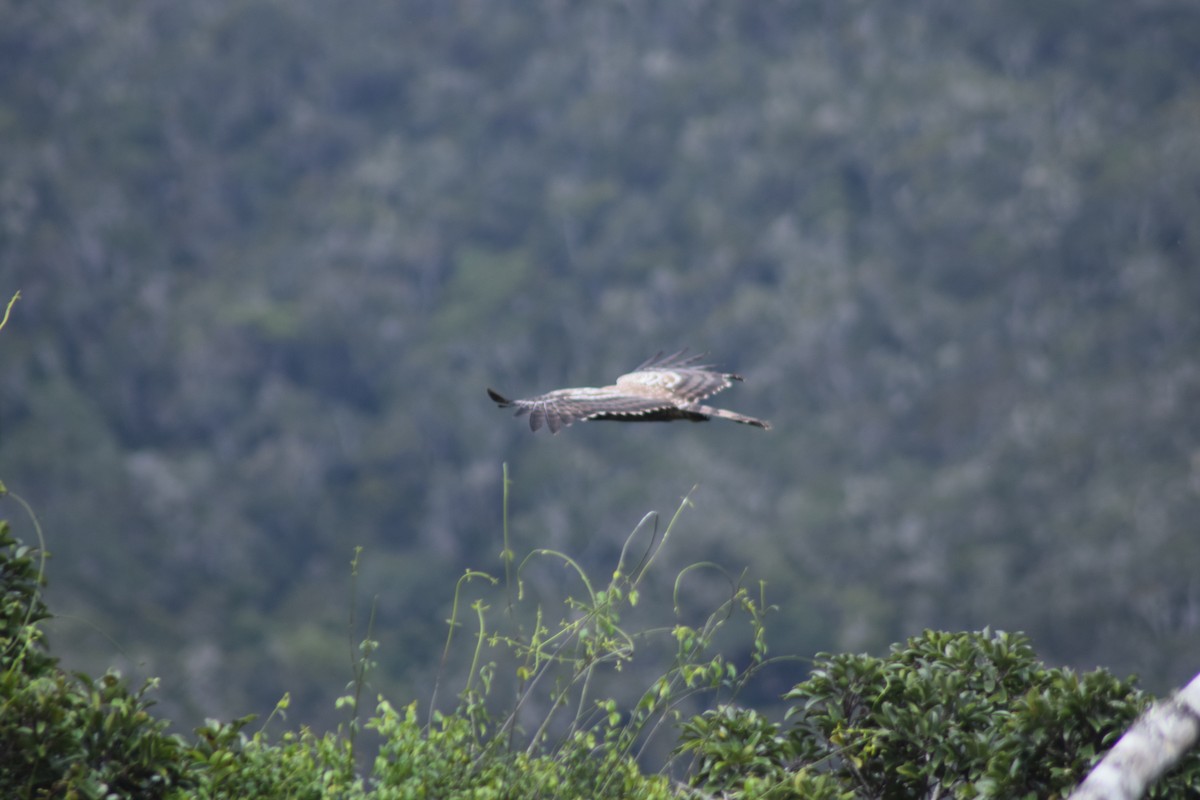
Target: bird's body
(660,390)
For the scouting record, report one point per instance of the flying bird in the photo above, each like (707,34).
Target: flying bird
(660,390)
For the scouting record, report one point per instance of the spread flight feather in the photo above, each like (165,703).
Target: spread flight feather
(661,389)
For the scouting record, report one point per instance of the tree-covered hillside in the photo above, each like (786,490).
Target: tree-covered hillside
(272,252)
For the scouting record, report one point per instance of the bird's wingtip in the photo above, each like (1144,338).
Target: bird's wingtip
(499,399)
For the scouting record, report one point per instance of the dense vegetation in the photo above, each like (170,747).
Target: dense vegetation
(967,715)
(272,252)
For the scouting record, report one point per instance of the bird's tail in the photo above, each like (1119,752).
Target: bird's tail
(500,399)
(732,416)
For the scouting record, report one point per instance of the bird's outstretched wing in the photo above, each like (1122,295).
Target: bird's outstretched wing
(556,410)
(678,374)
(662,389)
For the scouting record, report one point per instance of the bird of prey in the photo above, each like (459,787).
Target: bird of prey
(660,390)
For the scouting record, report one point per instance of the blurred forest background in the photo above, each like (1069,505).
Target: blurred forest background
(271,253)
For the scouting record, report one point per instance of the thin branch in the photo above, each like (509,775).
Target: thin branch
(8,310)
(1156,741)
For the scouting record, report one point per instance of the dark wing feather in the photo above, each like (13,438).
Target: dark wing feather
(556,410)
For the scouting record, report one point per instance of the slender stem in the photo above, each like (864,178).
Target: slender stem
(8,310)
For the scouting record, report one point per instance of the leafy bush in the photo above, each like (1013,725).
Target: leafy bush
(447,755)
(960,715)
(740,751)
(65,735)
(964,715)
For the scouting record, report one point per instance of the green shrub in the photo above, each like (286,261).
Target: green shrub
(738,751)
(446,760)
(228,765)
(963,715)
(64,735)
